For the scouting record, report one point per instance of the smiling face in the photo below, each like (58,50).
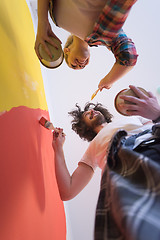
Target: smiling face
(93,118)
(88,122)
(76,57)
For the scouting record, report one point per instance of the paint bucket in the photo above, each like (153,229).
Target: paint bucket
(127,92)
(57,55)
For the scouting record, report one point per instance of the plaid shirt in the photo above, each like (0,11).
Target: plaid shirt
(108,32)
(129,201)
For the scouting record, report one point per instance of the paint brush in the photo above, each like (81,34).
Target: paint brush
(45,123)
(94,94)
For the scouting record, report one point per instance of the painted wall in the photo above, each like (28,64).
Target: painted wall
(30,206)
(64,87)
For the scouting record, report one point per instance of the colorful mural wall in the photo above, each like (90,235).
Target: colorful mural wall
(30,206)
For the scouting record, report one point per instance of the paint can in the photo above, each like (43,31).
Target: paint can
(127,92)
(57,55)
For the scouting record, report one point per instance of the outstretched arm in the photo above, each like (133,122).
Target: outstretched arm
(144,106)
(69,186)
(44,30)
(126,57)
(117,72)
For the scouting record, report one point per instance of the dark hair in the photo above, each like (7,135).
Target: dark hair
(78,124)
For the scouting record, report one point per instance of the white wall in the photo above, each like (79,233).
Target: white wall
(64,87)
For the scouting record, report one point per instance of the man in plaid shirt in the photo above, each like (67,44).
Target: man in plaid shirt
(91,23)
(129,198)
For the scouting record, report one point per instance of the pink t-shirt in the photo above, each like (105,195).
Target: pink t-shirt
(96,153)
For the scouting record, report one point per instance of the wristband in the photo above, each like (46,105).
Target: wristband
(156,120)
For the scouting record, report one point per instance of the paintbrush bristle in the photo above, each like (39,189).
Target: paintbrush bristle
(94,94)
(42,121)
(45,123)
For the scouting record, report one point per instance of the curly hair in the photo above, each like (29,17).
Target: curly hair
(78,124)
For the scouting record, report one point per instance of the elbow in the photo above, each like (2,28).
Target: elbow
(66,196)
(128,58)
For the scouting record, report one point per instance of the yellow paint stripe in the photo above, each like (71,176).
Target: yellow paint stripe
(21,82)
